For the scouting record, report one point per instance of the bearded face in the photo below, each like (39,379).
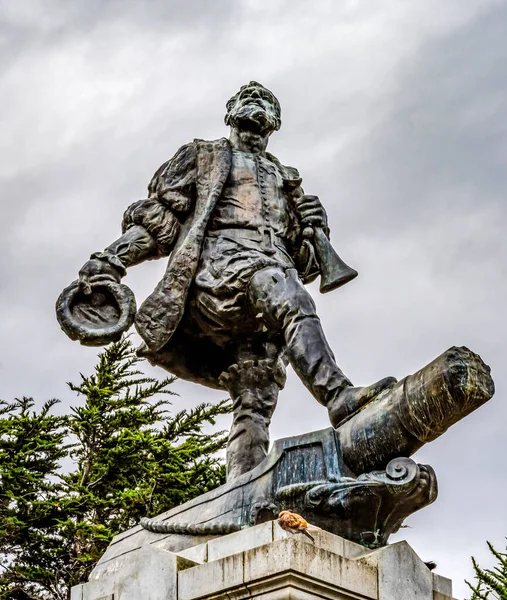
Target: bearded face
(254,108)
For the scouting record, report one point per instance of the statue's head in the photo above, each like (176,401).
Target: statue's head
(254,108)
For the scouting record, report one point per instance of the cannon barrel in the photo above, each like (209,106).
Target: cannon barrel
(417,410)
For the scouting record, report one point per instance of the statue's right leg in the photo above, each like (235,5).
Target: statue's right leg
(281,302)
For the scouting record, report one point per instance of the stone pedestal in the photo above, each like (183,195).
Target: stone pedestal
(267,563)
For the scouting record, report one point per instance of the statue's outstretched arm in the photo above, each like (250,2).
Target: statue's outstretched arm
(150,226)
(150,231)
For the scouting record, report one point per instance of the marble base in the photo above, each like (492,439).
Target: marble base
(266,563)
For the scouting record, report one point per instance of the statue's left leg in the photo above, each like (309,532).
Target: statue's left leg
(253,384)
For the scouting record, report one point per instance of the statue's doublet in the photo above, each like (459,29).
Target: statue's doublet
(250,228)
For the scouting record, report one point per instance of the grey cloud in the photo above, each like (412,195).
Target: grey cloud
(446,129)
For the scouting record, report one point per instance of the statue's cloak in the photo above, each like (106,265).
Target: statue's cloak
(161,313)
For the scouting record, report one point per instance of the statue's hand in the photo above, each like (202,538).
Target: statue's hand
(96,269)
(312,212)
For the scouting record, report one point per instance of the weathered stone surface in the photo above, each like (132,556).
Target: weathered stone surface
(401,573)
(293,567)
(148,573)
(440,596)
(240,541)
(197,554)
(271,563)
(86,592)
(267,563)
(442,585)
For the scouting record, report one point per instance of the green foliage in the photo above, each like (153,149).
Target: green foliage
(490,583)
(69,483)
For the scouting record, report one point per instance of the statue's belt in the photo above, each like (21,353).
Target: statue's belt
(266,236)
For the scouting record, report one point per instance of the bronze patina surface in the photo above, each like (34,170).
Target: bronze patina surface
(232,312)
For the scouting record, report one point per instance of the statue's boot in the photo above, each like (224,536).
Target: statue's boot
(283,304)
(350,399)
(254,386)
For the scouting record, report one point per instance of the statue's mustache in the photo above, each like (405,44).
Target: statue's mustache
(253,111)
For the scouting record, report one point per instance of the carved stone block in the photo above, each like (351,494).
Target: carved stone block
(267,563)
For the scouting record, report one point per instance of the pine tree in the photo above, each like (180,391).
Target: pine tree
(490,583)
(69,483)
(31,448)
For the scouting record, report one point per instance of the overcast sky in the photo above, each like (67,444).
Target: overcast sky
(395,114)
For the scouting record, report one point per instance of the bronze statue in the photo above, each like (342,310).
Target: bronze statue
(231,310)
